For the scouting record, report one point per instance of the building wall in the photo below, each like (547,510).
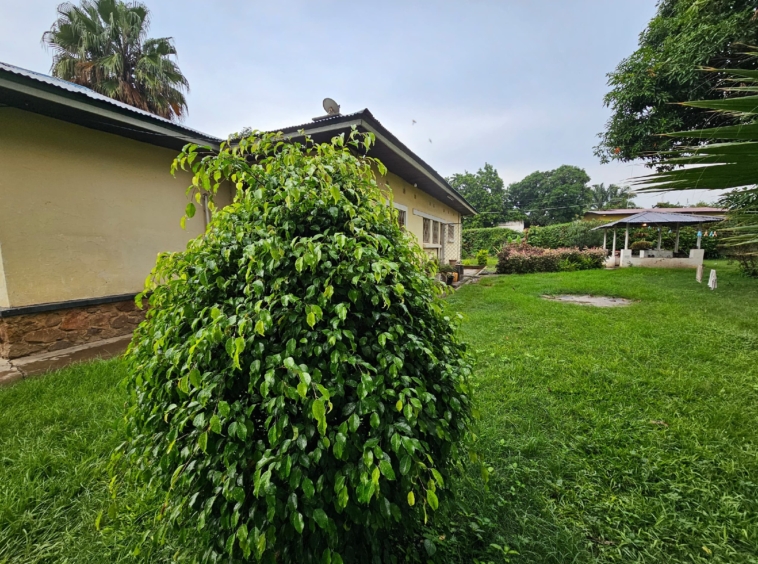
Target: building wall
(83,213)
(414,199)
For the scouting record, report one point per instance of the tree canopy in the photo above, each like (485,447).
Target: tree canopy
(612,196)
(683,37)
(554,196)
(484,190)
(103,45)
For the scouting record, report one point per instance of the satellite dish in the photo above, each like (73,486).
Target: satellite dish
(331,107)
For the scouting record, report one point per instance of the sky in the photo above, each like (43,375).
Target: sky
(518,84)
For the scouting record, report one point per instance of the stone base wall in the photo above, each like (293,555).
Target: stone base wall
(25,334)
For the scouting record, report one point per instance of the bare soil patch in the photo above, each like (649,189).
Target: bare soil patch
(597,301)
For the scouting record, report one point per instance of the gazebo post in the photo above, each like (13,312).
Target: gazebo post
(626,238)
(613,252)
(676,243)
(660,234)
(605,235)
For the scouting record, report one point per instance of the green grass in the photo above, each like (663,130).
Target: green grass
(613,435)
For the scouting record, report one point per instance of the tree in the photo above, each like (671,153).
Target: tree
(102,45)
(684,36)
(728,161)
(297,389)
(555,196)
(667,205)
(611,197)
(485,191)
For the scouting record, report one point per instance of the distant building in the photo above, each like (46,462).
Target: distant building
(512,225)
(615,215)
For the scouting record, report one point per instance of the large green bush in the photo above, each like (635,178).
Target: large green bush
(297,390)
(490,239)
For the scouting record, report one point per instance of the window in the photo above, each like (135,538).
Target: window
(402,218)
(436,233)
(451,233)
(427,230)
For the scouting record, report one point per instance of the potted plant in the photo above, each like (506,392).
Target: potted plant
(449,272)
(481,258)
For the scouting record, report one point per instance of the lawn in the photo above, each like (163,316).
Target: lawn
(612,435)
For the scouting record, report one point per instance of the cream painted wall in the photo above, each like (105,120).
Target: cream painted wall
(83,213)
(407,195)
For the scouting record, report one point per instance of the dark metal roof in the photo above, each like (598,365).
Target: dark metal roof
(661,218)
(622,211)
(398,158)
(60,99)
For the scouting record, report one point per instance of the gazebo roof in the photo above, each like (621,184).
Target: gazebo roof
(661,218)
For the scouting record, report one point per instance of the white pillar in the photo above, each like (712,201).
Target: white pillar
(613,251)
(605,235)
(676,243)
(626,238)
(659,238)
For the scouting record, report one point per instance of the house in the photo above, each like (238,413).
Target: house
(428,207)
(87,202)
(617,214)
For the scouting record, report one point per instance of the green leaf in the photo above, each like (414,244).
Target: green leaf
(321,519)
(202,442)
(411,499)
(296,518)
(215,424)
(189,211)
(311,319)
(339,445)
(431,499)
(223,408)
(374,420)
(405,464)
(386,469)
(307,487)
(319,414)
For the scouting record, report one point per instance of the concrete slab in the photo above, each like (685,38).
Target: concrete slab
(13,370)
(597,301)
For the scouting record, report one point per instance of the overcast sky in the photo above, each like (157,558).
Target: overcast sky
(516,83)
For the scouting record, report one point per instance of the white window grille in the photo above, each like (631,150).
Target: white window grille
(435,233)
(451,233)
(402,218)
(427,230)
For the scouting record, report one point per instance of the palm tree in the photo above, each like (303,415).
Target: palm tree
(730,163)
(613,196)
(102,45)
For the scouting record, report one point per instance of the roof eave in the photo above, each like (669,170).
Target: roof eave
(365,120)
(47,99)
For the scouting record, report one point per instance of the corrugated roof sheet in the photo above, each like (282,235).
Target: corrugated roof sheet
(658,218)
(622,211)
(91,94)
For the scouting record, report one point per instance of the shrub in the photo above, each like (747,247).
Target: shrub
(641,245)
(562,235)
(481,257)
(490,238)
(526,259)
(296,388)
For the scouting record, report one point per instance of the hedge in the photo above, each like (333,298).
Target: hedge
(563,235)
(525,259)
(490,239)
